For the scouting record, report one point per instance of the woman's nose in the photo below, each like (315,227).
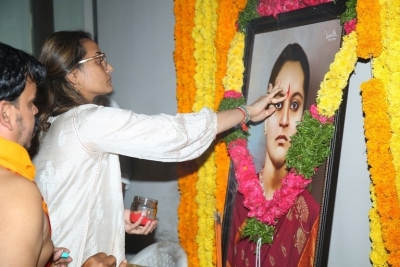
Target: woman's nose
(284,120)
(109,67)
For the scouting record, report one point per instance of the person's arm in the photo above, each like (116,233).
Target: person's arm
(101,259)
(24,242)
(257,111)
(162,137)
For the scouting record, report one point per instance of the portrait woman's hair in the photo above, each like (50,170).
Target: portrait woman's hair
(292,52)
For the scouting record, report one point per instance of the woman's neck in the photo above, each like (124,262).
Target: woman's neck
(271,178)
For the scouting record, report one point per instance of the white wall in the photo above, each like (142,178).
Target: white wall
(350,244)
(68,15)
(138,39)
(16,24)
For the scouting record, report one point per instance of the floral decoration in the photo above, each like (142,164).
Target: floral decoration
(377,133)
(382,134)
(202,35)
(202,38)
(227,10)
(273,7)
(329,95)
(263,214)
(368,29)
(185,91)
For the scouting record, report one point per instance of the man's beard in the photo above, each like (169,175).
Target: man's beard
(26,143)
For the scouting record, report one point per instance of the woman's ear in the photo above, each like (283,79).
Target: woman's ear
(72,77)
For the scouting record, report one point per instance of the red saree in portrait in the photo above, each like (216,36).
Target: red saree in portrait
(294,238)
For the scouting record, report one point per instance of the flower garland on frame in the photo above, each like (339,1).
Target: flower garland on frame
(316,127)
(377,133)
(275,7)
(200,248)
(227,11)
(382,131)
(185,70)
(203,34)
(375,194)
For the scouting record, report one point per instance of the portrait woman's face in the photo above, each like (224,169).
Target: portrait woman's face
(282,123)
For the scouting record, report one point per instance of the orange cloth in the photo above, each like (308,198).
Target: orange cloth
(15,158)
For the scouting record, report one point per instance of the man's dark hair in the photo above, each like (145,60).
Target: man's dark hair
(16,67)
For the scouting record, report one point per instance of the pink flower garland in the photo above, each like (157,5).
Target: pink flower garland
(322,119)
(270,211)
(274,7)
(266,211)
(350,26)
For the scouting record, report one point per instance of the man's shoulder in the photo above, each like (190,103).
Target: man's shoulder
(17,188)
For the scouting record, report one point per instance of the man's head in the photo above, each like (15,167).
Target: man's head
(19,75)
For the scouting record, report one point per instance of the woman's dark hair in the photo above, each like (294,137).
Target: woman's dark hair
(60,55)
(16,67)
(294,53)
(102,100)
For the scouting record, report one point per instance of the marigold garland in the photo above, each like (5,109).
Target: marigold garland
(227,12)
(184,62)
(377,133)
(204,33)
(234,74)
(392,40)
(328,96)
(378,254)
(386,68)
(368,29)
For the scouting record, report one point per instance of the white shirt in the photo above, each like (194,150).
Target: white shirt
(78,171)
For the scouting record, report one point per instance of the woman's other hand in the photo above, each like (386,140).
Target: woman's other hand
(136,228)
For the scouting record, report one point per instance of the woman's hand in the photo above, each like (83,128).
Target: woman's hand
(258,111)
(57,260)
(136,228)
(262,108)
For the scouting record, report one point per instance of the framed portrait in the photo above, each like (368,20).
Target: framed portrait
(317,32)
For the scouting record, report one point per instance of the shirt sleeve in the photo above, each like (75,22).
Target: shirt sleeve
(159,137)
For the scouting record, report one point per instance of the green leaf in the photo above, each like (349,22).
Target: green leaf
(237,132)
(350,12)
(248,13)
(310,146)
(255,229)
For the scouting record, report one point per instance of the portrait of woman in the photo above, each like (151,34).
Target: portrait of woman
(297,57)
(295,233)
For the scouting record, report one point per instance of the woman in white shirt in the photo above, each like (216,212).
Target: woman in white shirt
(77,164)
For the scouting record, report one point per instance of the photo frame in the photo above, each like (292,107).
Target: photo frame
(318,31)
